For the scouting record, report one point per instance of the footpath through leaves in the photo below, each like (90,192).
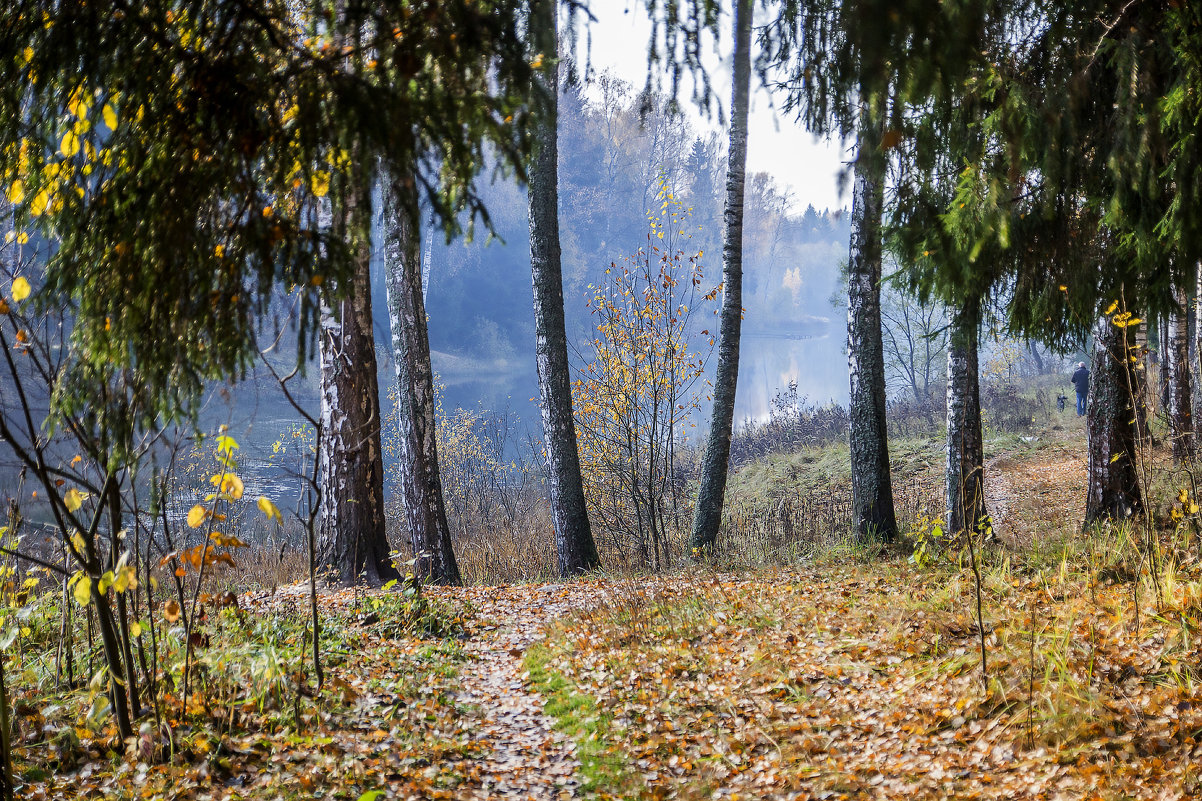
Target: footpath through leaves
(844,682)
(845,679)
(405,713)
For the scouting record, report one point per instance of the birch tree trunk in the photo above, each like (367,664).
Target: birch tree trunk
(1181,423)
(965,482)
(871,488)
(351,544)
(420,479)
(1163,341)
(708,514)
(1196,362)
(1113,491)
(574,544)
(1139,376)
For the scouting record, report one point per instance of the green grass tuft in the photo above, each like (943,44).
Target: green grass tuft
(603,772)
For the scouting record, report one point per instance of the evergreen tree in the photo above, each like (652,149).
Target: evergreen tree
(965,480)
(351,542)
(1113,490)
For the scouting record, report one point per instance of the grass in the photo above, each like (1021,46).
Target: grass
(604,772)
(254,715)
(828,677)
(851,668)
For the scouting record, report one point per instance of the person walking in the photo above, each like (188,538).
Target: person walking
(1080,380)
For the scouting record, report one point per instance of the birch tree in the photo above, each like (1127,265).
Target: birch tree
(417,463)
(965,479)
(1180,413)
(871,485)
(575,548)
(708,512)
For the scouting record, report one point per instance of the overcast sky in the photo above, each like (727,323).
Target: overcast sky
(776,143)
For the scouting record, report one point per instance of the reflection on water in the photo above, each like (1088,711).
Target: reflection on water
(766,366)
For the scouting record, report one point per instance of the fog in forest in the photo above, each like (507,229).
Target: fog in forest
(611,165)
(614,163)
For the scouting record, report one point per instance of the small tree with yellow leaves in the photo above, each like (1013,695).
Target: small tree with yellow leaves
(641,383)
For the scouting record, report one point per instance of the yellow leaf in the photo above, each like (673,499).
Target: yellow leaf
(197,515)
(1110,309)
(135,629)
(16,192)
(70,144)
(110,116)
(126,579)
(21,289)
(320,183)
(83,590)
(269,509)
(40,203)
(232,486)
(73,499)
(78,105)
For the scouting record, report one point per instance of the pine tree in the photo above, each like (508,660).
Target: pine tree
(965,484)
(1114,490)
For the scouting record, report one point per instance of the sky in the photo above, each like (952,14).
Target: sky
(776,143)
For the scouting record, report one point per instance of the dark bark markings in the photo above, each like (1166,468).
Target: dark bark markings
(965,480)
(1113,490)
(871,487)
(352,544)
(1181,423)
(574,543)
(421,481)
(708,515)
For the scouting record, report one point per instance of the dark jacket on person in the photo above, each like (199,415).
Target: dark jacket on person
(1081,380)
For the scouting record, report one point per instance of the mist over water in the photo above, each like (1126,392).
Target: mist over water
(614,163)
(767,365)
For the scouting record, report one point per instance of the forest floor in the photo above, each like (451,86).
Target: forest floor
(847,677)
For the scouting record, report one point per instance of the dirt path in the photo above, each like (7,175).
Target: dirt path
(998,494)
(1028,495)
(525,757)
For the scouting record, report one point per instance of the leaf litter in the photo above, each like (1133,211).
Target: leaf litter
(839,681)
